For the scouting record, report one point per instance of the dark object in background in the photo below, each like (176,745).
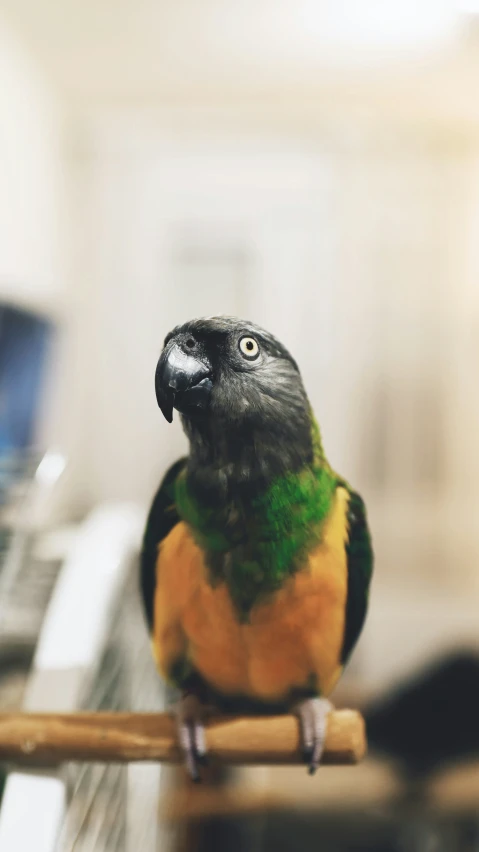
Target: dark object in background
(23,344)
(369,830)
(431,720)
(24,340)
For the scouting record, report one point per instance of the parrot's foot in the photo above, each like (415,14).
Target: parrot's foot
(190,713)
(312,714)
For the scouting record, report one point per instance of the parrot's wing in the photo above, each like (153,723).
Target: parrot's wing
(360,568)
(161,520)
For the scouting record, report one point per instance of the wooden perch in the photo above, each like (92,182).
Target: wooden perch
(44,739)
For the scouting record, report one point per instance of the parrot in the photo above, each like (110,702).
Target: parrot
(256,558)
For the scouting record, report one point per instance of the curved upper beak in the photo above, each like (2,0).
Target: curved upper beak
(182,381)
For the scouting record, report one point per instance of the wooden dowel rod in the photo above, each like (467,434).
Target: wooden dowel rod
(47,739)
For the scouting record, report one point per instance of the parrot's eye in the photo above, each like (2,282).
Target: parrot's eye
(249,348)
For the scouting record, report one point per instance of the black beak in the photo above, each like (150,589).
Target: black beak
(182,381)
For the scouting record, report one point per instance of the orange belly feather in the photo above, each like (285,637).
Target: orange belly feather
(294,636)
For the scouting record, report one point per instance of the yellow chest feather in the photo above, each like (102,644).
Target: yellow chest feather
(292,639)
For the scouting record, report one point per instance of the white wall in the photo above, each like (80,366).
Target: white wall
(179,230)
(34,232)
(31,236)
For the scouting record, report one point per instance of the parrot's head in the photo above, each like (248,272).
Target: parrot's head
(232,372)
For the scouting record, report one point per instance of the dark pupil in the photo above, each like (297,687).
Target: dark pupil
(250,345)
(190,343)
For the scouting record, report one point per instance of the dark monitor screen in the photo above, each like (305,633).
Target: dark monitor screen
(24,339)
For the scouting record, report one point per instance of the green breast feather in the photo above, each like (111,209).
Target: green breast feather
(272,535)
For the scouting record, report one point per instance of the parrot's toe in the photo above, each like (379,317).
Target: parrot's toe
(312,714)
(191,733)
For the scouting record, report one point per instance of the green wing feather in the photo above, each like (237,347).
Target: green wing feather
(162,517)
(360,568)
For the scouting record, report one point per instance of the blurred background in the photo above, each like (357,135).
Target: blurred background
(312,165)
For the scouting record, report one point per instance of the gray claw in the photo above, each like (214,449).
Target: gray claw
(312,714)
(191,734)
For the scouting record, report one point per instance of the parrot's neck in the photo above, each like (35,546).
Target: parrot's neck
(255,514)
(228,460)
